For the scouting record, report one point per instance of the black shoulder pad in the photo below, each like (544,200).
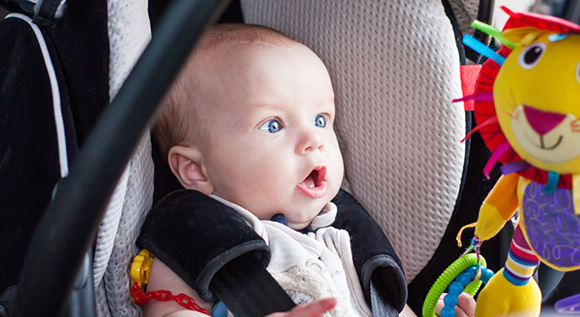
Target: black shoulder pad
(374,258)
(196,235)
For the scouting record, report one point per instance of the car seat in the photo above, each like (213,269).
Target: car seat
(395,67)
(92,48)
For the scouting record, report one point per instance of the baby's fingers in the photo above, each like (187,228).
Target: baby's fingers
(465,305)
(314,309)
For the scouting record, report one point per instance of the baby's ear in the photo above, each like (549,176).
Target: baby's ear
(186,163)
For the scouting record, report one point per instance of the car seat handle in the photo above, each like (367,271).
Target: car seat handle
(48,12)
(44,12)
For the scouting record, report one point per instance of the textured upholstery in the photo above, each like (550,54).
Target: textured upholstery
(395,70)
(129,32)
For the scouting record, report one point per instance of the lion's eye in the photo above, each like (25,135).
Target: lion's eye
(531,55)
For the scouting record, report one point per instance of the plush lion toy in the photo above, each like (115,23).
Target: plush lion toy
(527,106)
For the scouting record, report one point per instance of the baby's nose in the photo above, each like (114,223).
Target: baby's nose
(310,142)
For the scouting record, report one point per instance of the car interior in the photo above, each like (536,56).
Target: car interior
(80,85)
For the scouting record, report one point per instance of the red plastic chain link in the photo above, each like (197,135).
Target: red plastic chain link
(142,298)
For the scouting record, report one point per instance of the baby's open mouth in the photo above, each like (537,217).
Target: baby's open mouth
(314,185)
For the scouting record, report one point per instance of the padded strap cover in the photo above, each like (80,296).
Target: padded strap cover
(373,255)
(196,235)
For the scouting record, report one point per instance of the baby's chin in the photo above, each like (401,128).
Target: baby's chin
(299,225)
(304,219)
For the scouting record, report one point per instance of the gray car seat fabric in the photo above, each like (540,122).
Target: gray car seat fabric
(395,70)
(129,32)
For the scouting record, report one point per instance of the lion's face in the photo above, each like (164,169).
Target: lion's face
(537,100)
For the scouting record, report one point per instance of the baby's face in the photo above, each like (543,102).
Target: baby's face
(273,148)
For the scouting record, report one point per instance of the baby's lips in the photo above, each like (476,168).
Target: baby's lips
(314,185)
(317,191)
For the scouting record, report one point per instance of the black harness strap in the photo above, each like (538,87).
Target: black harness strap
(247,289)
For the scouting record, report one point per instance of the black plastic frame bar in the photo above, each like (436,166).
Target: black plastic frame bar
(484,14)
(68,227)
(485,11)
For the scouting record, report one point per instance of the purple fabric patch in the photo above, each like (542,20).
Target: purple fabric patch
(514,167)
(552,228)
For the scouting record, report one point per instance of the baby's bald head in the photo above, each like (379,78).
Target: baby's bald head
(183,113)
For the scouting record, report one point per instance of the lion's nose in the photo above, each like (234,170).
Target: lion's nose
(543,121)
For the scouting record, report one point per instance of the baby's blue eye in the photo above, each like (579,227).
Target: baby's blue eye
(271,126)
(320,121)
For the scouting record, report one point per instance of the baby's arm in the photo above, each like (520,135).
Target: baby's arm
(407,312)
(162,277)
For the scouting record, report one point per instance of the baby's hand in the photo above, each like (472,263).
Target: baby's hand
(465,305)
(314,309)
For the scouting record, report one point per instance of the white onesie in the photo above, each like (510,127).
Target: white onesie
(314,265)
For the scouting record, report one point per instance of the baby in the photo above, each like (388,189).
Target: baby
(249,122)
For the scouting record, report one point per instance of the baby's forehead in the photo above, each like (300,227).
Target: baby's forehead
(232,63)
(241,50)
